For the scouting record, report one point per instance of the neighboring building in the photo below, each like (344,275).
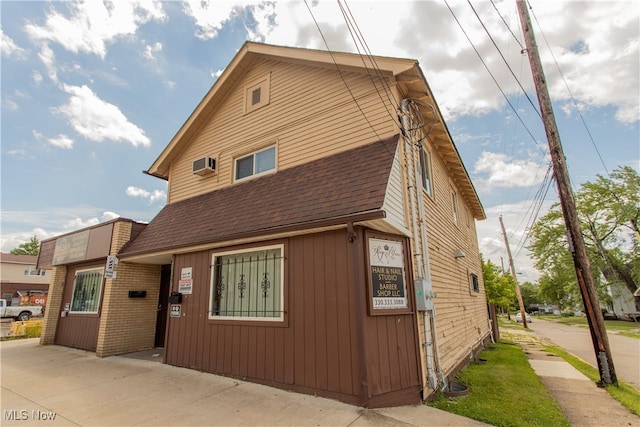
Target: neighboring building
(21,282)
(623,303)
(319,234)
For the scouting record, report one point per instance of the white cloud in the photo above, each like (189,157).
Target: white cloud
(210,16)
(514,217)
(52,222)
(61,141)
(150,50)
(20,154)
(156,195)
(599,74)
(11,241)
(9,105)
(79,223)
(94,24)
(9,48)
(98,120)
(36,77)
(498,170)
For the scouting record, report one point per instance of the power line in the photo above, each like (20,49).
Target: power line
(507,25)
(575,104)
(340,71)
(352,26)
(494,79)
(504,59)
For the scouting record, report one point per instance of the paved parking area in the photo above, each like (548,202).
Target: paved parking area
(60,386)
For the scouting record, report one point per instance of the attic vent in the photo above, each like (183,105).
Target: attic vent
(255,97)
(204,165)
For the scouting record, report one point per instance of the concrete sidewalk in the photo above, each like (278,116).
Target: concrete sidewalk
(580,399)
(60,386)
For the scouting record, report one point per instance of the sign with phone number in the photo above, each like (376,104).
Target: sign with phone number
(386,260)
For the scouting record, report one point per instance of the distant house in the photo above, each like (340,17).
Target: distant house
(319,236)
(21,282)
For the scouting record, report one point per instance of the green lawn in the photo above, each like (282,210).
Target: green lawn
(505,391)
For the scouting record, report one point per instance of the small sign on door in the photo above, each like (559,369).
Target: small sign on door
(176,310)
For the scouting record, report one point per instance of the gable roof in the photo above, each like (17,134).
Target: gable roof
(346,187)
(406,74)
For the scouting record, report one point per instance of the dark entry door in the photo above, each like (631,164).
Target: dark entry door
(163,300)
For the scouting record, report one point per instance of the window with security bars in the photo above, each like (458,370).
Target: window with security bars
(87,288)
(248,285)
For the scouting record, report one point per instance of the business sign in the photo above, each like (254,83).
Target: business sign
(71,248)
(110,268)
(176,310)
(387,273)
(185,284)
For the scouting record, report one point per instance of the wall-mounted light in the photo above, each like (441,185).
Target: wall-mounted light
(458,254)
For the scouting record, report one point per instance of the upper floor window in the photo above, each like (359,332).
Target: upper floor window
(87,289)
(474,284)
(248,284)
(256,163)
(33,271)
(257,94)
(454,207)
(425,169)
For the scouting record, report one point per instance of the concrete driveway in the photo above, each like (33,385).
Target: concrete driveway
(60,386)
(625,351)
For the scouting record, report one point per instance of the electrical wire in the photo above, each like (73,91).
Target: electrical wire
(504,59)
(575,104)
(340,71)
(493,77)
(507,25)
(358,39)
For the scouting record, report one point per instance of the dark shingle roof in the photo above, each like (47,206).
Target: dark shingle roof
(321,192)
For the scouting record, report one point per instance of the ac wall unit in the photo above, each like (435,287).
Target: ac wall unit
(204,165)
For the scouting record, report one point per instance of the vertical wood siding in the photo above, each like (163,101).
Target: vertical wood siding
(311,114)
(77,330)
(315,350)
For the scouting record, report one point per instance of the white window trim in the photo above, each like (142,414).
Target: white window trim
(455,208)
(471,287)
(245,318)
(73,291)
(253,153)
(264,84)
(425,160)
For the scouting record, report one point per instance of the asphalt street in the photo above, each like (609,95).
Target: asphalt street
(625,351)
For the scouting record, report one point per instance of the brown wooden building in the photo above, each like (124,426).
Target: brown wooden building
(319,234)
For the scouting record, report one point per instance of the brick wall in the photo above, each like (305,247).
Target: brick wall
(128,324)
(54,301)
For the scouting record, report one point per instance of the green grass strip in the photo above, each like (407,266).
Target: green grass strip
(505,391)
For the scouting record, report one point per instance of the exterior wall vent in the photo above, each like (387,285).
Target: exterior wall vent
(204,165)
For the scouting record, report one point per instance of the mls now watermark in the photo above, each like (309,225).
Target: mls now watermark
(24,415)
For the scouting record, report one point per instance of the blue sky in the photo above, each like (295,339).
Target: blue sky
(93,91)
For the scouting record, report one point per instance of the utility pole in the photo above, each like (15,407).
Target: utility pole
(576,243)
(523,312)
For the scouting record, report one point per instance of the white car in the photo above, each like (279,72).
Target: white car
(519,317)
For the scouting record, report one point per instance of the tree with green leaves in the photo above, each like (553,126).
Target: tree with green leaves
(529,292)
(609,213)
(32,247)
(500,286)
